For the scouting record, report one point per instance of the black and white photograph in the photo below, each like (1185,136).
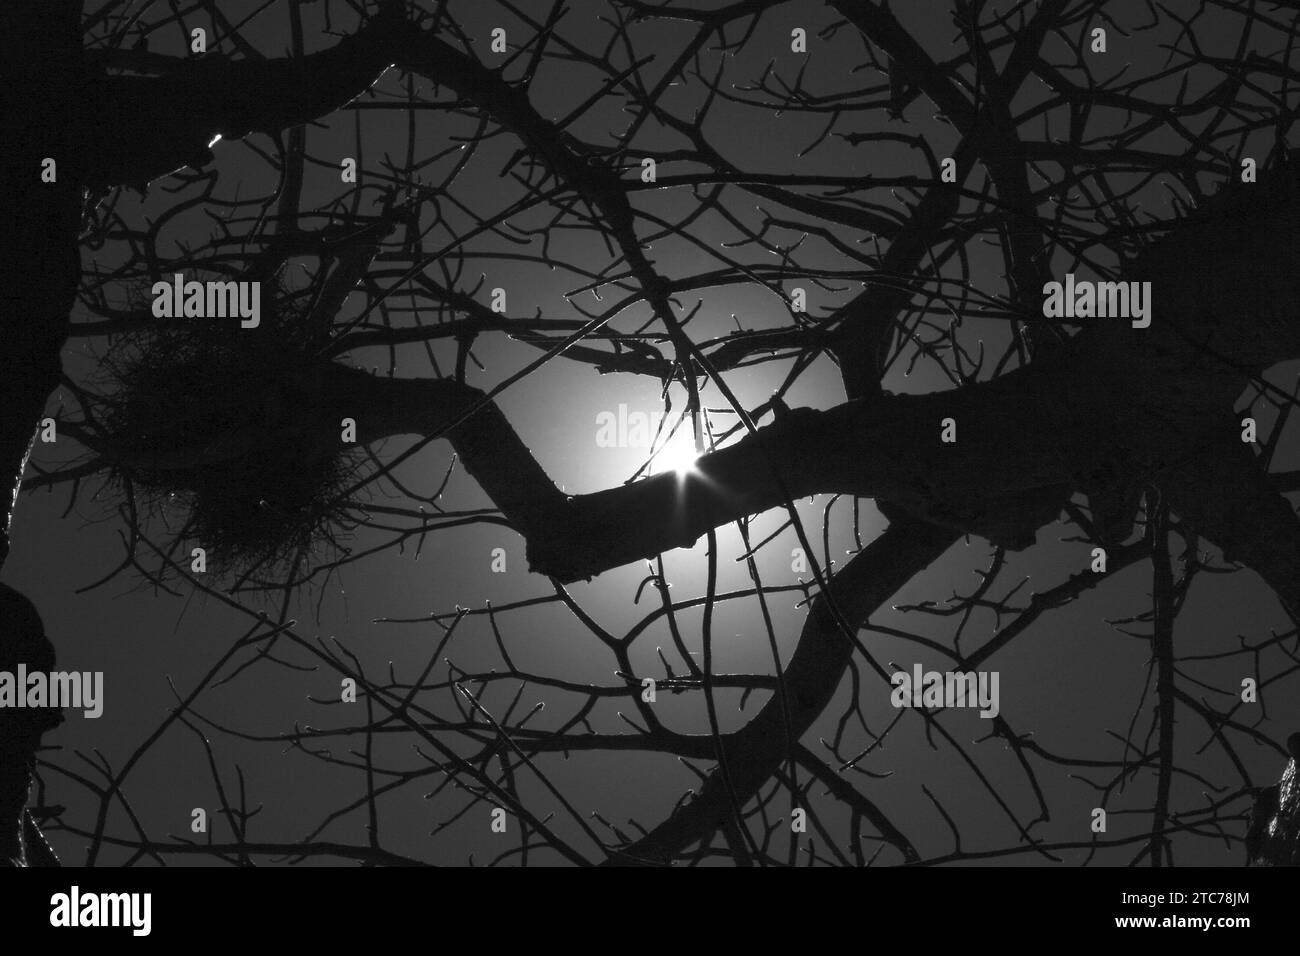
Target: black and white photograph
(650,433)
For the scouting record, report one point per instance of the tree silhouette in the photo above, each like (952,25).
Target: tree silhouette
(916,274)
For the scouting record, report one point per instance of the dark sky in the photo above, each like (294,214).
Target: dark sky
(1073,680)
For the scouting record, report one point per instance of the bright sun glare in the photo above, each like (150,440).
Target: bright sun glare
(678,455)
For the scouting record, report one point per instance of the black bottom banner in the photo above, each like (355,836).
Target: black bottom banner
(329,905)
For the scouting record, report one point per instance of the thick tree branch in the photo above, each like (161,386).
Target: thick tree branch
(22,641)
(40,51)
(140,128)
(1225,495)
(820,659)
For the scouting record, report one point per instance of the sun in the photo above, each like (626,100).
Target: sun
(678,456)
